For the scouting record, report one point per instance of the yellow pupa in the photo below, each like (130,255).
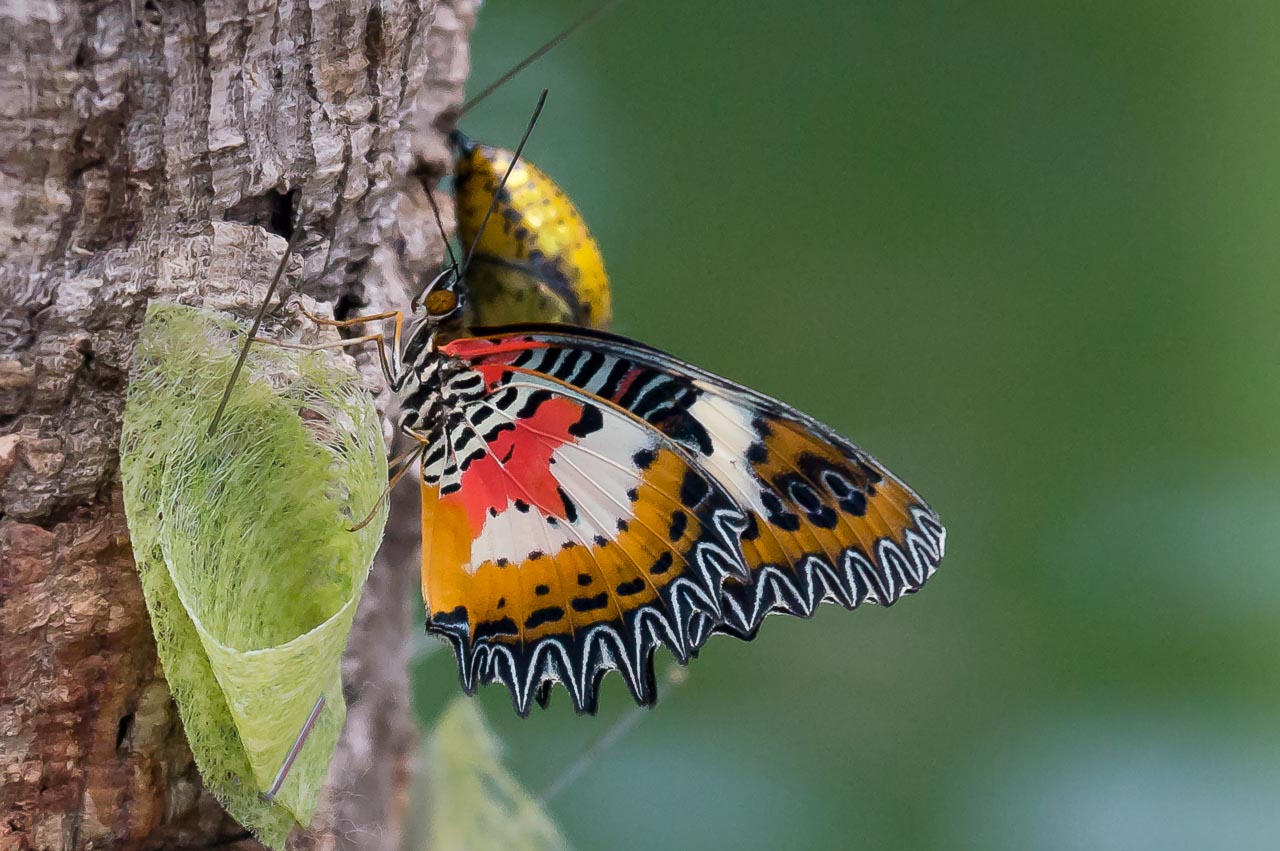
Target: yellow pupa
(537,260)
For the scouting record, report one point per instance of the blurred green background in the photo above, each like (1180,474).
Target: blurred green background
(1026,254)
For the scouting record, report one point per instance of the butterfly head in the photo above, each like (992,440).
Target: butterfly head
(439,311)
(444,303)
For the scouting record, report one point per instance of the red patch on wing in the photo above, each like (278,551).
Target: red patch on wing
(473,348)
(490,358)
(517,465)
(492,373)
(624,385)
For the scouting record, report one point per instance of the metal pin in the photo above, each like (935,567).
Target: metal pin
(295,750)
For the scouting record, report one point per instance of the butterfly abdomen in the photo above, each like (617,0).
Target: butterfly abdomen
(537,260)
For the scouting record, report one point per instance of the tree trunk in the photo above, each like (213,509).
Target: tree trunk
(148,150)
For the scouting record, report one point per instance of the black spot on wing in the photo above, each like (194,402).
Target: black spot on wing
(609,387)
(777,514)
(539,617)
(492,434)
(531,404)
(840,481)
(693,489)
(435,456)
(634,586)
(590,604)
(456,616)
(872,474)
(643,380)
(570,509)
(506,398)
(644,458)
(590,365)
(803,496)
(590,422)
(474,456)
(679,522)
(495,628)
(685,429)
(470,381)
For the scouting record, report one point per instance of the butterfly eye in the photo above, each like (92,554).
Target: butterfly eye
(442,302)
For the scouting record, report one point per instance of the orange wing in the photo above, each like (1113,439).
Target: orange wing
(826,521)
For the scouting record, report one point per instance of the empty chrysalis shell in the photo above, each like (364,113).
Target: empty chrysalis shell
(250,573)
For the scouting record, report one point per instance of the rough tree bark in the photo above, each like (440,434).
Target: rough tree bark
(148,150)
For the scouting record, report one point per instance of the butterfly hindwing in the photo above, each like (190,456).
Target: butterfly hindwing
(826,521)
(564,538)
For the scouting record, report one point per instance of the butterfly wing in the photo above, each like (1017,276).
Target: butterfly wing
(552,550)
(826,521)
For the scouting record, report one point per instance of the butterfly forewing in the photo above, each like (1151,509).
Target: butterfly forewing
(565,537)
(826,522)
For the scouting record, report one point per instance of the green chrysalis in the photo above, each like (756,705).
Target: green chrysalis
(250,573)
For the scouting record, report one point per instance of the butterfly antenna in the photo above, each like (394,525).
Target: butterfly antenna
(581,22)
(448,246)
(452,268)
(475,243)
(257,320)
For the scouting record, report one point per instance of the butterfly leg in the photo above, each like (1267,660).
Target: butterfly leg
(355,320)
(407,459)
(390,363)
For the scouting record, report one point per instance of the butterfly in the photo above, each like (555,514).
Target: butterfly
(587,499)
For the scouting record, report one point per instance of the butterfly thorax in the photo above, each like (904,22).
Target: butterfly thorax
(424,372)
(429,385)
